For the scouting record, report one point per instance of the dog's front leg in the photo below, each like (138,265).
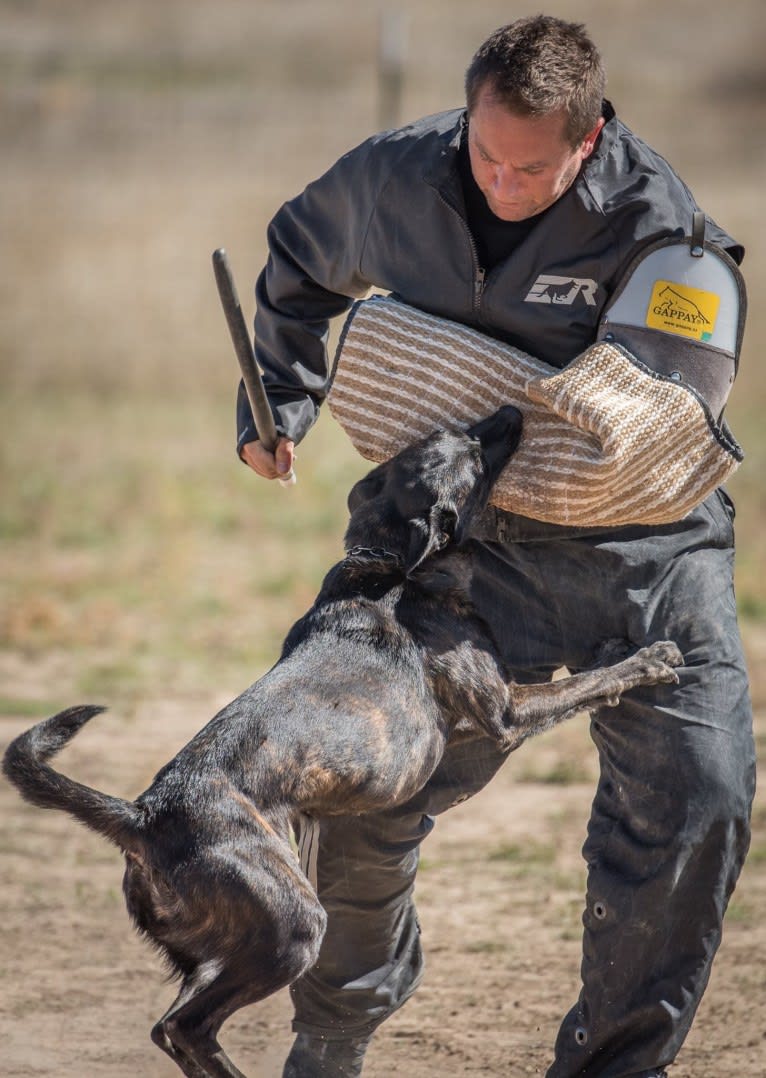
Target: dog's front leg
(534,708)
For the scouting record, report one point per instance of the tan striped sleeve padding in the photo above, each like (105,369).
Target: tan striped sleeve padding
(605,441)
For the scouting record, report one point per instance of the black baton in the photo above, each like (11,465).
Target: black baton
(251,376)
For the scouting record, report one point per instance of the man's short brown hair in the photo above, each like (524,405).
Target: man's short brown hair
(539,65)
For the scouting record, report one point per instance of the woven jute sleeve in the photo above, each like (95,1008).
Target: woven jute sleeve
(606,441)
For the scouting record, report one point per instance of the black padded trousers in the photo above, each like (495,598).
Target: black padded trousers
(670,821)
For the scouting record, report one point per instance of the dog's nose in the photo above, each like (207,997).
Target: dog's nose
(511,417)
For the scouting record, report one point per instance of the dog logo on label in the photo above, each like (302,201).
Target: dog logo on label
(549,288)
(678,308)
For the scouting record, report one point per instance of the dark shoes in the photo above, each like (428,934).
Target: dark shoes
(312,1057)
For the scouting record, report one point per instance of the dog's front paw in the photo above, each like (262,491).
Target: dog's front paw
(669,651)
(657,662)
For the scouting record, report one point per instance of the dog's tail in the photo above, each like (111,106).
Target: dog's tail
(26,765)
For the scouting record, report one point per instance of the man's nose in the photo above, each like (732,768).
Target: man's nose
(506,182)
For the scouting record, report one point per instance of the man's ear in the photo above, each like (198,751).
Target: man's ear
(588,144)
(428,536)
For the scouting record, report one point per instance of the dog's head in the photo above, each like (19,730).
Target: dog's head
(427,496)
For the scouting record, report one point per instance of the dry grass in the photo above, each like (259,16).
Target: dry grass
(135,142)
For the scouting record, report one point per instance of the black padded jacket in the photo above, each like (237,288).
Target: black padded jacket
(390,215)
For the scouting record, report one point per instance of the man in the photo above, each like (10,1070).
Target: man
(461,214)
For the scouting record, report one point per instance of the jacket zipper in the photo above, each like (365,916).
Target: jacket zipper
(479,273)
(478,287)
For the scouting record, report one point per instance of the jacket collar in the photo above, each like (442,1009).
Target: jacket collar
(608,132)
(442,171)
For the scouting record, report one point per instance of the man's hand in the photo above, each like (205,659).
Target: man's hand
(274,465)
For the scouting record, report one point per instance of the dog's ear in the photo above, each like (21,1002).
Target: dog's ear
(428,536)
(366,488)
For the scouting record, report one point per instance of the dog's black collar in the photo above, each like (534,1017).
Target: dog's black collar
(372,553)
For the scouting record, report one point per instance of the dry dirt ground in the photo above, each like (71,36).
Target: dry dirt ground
(499,895)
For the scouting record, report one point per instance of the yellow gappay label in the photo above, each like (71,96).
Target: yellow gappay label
(678,308)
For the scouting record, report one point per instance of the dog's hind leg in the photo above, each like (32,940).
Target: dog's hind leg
(253,949)
(187,1032)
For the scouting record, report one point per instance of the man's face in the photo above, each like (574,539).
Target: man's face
(522,164)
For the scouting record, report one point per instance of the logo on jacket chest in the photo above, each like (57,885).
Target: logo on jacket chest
(562,290)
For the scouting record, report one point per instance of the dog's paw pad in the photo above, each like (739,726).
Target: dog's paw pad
(604,701)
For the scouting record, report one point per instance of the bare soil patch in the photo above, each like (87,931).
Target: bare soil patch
(499,894)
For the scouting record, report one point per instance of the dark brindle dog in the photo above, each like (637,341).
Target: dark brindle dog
(390,663)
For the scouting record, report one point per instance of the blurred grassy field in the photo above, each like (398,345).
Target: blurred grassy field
(138,556)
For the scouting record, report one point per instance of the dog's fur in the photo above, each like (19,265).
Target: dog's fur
(388,665)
